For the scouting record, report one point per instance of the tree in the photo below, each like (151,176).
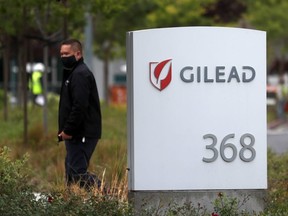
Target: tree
(33,19)
(112,19)
(6,56)
(16,27)
(271,16)
(226,11)
(171,13)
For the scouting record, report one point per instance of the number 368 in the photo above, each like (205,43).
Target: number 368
(247,142)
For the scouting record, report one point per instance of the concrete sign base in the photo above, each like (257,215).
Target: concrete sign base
(251,201)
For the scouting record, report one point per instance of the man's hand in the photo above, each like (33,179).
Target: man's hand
(65,136)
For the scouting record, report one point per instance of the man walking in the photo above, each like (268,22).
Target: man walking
(79,115)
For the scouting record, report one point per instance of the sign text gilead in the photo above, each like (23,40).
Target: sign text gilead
(222,74)
(247,142)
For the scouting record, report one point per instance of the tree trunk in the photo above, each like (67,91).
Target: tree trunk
(22,55)
(106,80)
(282,65)
(6,58)
(22,66)
(45,84)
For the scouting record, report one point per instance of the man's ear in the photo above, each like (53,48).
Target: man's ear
(78,55)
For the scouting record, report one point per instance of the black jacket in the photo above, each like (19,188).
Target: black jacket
(79,106)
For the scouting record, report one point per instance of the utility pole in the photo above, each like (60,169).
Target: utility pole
(88,43)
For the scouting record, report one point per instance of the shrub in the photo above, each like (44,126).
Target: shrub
(277,203)
(229,206)
(13,173)
(17,196)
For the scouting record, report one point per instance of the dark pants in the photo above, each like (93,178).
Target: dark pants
(78,154)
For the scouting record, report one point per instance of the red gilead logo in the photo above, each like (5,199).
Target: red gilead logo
(161,73)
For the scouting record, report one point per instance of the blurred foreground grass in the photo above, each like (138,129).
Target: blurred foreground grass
(46,156)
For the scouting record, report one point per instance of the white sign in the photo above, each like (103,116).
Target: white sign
(197,109)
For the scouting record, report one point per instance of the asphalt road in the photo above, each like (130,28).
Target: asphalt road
(277,138)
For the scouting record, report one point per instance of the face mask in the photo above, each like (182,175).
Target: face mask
(68,62)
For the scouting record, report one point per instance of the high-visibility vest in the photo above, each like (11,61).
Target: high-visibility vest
(35,84)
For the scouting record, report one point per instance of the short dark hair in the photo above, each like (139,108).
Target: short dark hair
(75,44)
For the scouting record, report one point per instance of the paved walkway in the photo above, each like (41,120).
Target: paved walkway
(277,136)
